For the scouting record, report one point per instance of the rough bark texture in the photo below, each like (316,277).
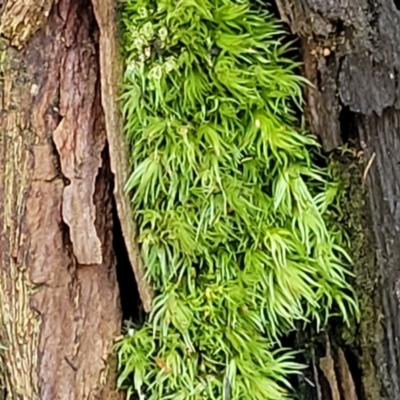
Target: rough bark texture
(351,54)
(59,303)
(111,72)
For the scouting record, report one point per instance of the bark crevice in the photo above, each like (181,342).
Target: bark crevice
(111,68)
(131,305)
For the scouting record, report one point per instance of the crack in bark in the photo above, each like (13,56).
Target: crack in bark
(111,74)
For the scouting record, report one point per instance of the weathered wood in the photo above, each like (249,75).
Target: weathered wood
(59,300)
(351,50)
(381,137)
(111,73)
(351,56)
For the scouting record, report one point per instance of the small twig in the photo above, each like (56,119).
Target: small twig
(309,381)
(70,363)
(327,343)
(327,366)
(316,377)
(368,166)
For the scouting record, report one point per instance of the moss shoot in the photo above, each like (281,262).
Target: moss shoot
(234,217)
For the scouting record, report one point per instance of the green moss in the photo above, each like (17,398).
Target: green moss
(234,217)
(353,216)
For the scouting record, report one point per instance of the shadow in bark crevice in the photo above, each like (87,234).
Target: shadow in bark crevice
(131,305)
(348,128)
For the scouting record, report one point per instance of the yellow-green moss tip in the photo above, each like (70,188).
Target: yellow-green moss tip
(233,216)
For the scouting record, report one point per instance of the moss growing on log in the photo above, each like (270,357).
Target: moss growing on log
(234,217)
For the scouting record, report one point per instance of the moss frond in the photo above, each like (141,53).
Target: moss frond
(233,215)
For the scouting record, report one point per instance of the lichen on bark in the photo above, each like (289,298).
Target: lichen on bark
(21,19)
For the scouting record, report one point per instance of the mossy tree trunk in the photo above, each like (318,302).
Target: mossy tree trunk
(351,51)
(59,299)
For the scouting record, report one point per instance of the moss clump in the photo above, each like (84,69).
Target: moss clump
(233,215)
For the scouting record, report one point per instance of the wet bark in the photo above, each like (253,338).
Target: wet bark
(351,55)
(59,297)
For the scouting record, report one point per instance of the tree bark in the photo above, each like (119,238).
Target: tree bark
(59,298)
(351,55)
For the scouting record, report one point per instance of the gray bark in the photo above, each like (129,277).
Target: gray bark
(351,51)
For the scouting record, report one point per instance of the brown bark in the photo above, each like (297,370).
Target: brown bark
(351,54)
(111,73)
(59,300)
